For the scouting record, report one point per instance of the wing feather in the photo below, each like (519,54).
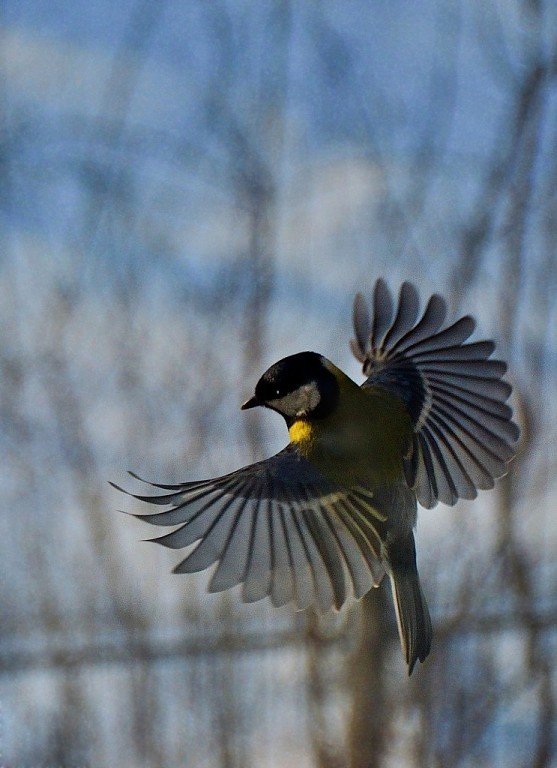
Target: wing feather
(477,385)
(382,313)
(360,573)
(454,393)
(446,488)
(332,561)
(302,565)
(455,334)
(190,507)
(277,527)
(431,320)
(214,541)
(478,350)
(362,327)
(322,579)
(257,583)
(282,587)
(369,550)
(405,318)
(464,487)
(485,405)
(234,558)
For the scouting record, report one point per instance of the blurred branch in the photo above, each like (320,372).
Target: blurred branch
(321,688)
(477,232)
(116,100)
(370,717)
(138,649)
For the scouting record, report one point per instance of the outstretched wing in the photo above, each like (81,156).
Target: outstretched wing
(464,436)
(277,527)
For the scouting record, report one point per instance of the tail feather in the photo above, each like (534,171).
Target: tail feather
(412,613)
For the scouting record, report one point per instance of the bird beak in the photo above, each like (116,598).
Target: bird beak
(253,402)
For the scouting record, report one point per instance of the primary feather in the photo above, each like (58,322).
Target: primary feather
(279,527)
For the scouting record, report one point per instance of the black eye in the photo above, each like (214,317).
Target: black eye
(277,392)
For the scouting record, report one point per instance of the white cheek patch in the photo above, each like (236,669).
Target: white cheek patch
(302,400)
(311,395)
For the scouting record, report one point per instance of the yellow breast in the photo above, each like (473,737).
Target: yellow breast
(300,432)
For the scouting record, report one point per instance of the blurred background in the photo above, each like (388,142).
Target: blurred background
(189,191)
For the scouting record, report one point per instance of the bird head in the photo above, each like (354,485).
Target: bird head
(302,386)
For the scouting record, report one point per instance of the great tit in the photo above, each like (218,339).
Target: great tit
(334,511)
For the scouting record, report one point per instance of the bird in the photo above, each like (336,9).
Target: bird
(333,513)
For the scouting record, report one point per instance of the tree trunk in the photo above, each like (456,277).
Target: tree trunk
(369,721)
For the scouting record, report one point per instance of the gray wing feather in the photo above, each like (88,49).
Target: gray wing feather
(360,573)
(233,560)
(331,575)
(405,318)
(367,542)
(257,583)
(322,578)
(362,327)
(430,322)
(454,393)
(279,528)
(213,542)
(301,558)
(282,584)
(382,313)
(457,333)
(477,350)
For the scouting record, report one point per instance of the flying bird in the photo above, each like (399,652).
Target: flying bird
(334,511)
